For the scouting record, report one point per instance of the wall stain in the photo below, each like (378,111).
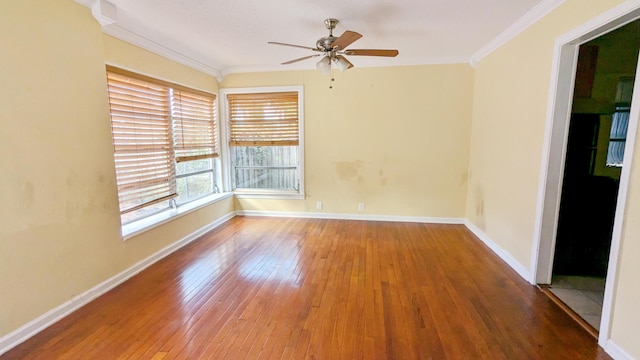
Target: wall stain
(350,170)
(480,220)
(29,196)
(480,207)
(383,179)
(464,179)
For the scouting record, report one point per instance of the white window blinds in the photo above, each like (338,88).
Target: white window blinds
(263,119)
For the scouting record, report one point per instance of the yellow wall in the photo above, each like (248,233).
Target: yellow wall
(124,55)
(395,138)
(60,227)
(510,104)
(509,115)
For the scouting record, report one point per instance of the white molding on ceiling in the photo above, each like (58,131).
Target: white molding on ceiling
(87,3)
(530,18)
(310,65)
(147,44)
(106,14)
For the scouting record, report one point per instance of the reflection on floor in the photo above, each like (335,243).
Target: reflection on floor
(583,295)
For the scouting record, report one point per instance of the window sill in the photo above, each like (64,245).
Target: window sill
(265,194)
(139,226)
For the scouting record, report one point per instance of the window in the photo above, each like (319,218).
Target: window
(264,136)
(618,136)
(164,138)
(620,122)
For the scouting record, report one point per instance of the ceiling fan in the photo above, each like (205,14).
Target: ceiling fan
(332,49)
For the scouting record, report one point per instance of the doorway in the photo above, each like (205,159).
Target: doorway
(598,125)
(590,119)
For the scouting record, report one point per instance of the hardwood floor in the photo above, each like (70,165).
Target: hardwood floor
(272,288)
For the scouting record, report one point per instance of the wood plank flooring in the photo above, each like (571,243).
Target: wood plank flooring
(274,288)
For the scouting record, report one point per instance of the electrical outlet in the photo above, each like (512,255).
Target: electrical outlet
(319,205)
(361,206)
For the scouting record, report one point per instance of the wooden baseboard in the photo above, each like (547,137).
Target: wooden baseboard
(574,315)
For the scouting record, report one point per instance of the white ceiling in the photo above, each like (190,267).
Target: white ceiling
(231,36)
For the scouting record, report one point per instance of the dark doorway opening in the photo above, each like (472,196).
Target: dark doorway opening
(596,138)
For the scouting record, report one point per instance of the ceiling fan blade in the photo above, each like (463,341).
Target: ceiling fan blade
(298,46)
(371,52)
(345,40)
(300,59)
(349,64)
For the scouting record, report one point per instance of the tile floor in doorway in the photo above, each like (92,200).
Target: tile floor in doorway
(584,295)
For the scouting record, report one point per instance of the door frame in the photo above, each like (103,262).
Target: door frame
(554,150)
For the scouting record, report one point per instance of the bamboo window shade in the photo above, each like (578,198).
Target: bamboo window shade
(143,149)
(263,119)
(195,134)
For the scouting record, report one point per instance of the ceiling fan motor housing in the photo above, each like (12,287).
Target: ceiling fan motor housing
(325,43)
(332,48)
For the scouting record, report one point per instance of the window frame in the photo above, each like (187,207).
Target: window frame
(227,163)
(620,109)
(131,227)
(624,94)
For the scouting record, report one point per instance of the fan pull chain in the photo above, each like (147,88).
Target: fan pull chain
(331,77)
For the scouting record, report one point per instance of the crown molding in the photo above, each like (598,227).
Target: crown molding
(147,44)
(87,3)
(530,18)
(106,14)
(311,65)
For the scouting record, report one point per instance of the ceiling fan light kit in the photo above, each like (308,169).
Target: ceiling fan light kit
(332,49)
(324,65)
(342,63)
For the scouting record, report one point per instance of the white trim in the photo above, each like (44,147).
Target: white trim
(240,194)
(551,176)
(106,14)
(502,253)
(140,226)
(226,152)
(617,352)
(87,3)
(601,24)
(335,216)
(619,218)
(47,319)
(311,66)
(148,44)
(565,56)
(530,18)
